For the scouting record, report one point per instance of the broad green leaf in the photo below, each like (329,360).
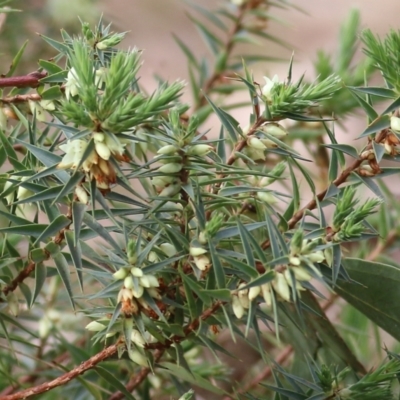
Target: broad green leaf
(344,148)
(376,293)
(40,278)
(382,122)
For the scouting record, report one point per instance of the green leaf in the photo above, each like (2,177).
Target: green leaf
(40,278)
(76,254)
(382,122)
(52,93)
(376,293)
(34,230)
(220,294)
(63,271)
(50,67)
(344,148)
(192,378)
(56,226)
(16,59)
(111,379)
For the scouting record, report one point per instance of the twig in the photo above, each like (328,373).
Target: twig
(19,278)
(21,98)
(30,80)
(63,379)
(136,380)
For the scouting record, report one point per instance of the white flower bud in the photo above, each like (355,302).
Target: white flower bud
(202,262)
(72,85)
(254,292)
(128,282)
(243,296)
(267,88)
(95,326)
(153,281)
(267,197)
(256,143)
(44,327)
(153,257)
(301,274)
(98,136)
(138,292)
(144,281)
(168,249)
(170,190)
(395,123)
(266,293)
(135,271)
(197,251)
(237,307)
(275,130)
(282,287)
(168,149)
(124,295)
(294,261)
(199,150)
(22,192)
(82,195)
(102,150)
(171,168)
(137,338)
(316,256)
(120,274)
(328,253)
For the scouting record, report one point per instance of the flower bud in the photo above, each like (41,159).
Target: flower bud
(295,261)
(316,257)
(128,282)
(98,136)
(168,149)
(95,326)
(395,123)
(153,281)
(267,88)
(266,293)
(82,195)
(120,274)
(135,271)
(168,249)
(275,130)
(138,292)
(202,262)
(267,197)
(237,307)
(243,296)
(197,251)
(254,292)
(102,150)
(44,327)
(199,150)
(301,274)
(282,287)
(171,168)
(170,190)
(256,143)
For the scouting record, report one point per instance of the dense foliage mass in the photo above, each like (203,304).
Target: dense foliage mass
(141,248)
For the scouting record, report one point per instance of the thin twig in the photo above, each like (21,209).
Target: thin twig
(63,379)
(21,98)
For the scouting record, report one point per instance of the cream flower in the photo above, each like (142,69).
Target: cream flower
(267,88)
(72,84)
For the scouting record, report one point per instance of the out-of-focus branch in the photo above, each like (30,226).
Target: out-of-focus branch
(30,80)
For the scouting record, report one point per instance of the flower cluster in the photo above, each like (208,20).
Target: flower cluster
(97,163)
(301,267)
(168,183)
(257,144)
(135,283)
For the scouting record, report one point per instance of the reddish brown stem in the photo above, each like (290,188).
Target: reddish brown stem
(63,379)
(30,80)
(19,278)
